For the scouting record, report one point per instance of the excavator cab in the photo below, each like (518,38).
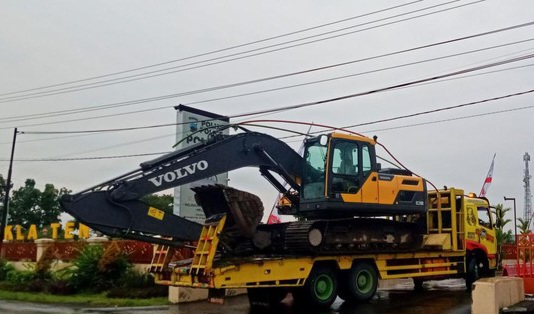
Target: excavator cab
(341,178)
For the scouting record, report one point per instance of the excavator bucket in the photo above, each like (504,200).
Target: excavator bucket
(245,211)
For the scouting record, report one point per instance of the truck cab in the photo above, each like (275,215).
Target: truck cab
(466,223)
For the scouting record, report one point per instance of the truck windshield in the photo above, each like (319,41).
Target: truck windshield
(313,182)
(484,217)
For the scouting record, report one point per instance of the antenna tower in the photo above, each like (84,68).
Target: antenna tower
(528,196)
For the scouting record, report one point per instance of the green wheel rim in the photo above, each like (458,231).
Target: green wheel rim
(324,287)
(364,281)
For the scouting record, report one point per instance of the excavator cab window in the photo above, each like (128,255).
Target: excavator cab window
(345,167)
(314,173)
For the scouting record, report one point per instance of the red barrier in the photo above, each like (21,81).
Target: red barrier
(20,251)
(524,264)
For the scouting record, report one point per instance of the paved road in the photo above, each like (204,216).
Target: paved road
(447,298)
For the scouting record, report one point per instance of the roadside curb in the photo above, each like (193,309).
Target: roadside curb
(122,309)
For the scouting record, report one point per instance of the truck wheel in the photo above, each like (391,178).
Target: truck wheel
(363,281)
(473,273)
(320,289)
(265,297)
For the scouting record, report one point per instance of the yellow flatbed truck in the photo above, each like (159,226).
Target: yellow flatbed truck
(459,241)
(357,221)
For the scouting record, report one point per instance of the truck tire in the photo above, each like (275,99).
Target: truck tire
(473,272)
(265,297)
(320,289)
(363,281)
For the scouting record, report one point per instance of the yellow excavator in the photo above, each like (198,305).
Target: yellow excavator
(335,189)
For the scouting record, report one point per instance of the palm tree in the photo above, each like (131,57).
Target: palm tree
(502,237)
(524,225)
(499,211)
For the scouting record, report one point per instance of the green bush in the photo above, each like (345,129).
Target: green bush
(135,279)
(137,285)
(5,268)
(96,269)
(20,280)
(20,277)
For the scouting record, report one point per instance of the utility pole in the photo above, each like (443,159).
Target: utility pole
(528,196)
(5,210)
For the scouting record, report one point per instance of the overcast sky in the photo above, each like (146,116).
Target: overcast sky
(55,47)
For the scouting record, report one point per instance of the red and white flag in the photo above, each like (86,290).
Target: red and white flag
(488,180)
(273,217)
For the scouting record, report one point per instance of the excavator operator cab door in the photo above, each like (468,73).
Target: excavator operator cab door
(314,174)
(351,165)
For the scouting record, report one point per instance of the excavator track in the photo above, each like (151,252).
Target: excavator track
(326,237)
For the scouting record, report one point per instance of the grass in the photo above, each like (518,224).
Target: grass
(79,299)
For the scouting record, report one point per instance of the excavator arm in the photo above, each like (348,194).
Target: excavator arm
(114,207)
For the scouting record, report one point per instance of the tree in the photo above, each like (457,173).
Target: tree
(164,202)
(2,188)
(31,206)
(524,225)
(502,237)
(500,212)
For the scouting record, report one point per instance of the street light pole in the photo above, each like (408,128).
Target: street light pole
(5,211)
(515,219)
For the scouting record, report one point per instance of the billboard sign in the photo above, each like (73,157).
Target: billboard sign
(194,126)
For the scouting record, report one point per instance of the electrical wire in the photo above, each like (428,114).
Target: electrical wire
(367,131)
(421,113)
(320,102)
(151,75)
(451,119)
(135,102)
(85,158)
(158,98)
(215,51)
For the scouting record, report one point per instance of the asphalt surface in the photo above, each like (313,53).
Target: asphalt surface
(443,298)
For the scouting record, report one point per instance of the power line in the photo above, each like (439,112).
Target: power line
(426,112)
(451,119)
(241,95)
(87,158)
(215,51)
(151,75)
(315,103)
(134,102)
(320,81)
(346,127)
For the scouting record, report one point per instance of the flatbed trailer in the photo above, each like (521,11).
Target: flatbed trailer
(459,242)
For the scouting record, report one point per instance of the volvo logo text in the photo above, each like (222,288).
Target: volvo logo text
(179,173)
